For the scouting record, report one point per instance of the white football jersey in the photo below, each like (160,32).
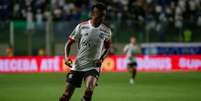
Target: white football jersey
(131,51)
(90,42)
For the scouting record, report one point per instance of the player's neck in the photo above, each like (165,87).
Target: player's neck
(133,44)
(95,23)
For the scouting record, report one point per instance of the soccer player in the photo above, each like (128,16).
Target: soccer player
(131,50)
(93,39)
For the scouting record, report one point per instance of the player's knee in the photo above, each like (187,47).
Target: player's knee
(69,90)
(90,87)
(64,98)
(88,92)
(91,83)
(134,69)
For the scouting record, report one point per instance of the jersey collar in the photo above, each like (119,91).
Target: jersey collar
(90,24)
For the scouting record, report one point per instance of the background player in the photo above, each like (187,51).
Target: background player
(131,50)
(93,39)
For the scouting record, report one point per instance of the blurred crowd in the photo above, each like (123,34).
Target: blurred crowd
(129,11)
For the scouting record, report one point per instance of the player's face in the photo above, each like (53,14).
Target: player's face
(98,15)
(133,40)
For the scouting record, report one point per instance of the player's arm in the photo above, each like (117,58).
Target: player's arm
(107,45)
(125,49)
(67,49)
(139,51)
(75,35)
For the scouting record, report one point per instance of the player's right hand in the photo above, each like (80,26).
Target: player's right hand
(98,63)
(68,62)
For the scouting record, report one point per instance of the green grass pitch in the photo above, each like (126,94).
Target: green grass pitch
(179,86)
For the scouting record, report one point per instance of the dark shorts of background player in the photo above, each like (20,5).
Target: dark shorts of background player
(132,64)
(76,77)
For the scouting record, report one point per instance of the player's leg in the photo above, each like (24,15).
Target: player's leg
(90,79)
(69,90)
(74,80)
(90,85)
(132,71)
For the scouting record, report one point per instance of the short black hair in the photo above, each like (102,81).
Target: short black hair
(133,36)
(99,6)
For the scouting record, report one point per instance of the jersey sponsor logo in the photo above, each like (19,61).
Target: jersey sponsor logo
(89,43)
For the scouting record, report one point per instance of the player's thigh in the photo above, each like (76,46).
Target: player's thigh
(69,87)
(90,82)
(74,78)
(132,66)
(91,78)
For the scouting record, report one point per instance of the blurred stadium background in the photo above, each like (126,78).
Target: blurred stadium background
(33,34)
